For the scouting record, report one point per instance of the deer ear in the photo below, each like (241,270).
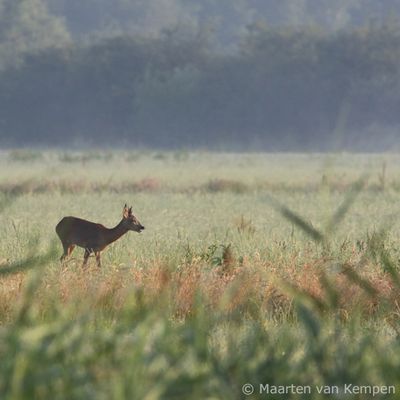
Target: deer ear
(125,211)
(130,211)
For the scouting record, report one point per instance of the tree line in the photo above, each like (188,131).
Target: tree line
(280,88)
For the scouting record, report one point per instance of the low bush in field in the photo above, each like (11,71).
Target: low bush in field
(78,186)
(27,156)
(84,157)
(221,185)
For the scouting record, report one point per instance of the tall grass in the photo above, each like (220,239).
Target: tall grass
(189,313)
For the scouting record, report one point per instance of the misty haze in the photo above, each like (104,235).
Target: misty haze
(229,74)
(199,199)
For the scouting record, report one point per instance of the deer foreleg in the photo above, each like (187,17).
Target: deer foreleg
(86,257)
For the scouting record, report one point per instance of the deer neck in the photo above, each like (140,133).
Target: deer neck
(115,233)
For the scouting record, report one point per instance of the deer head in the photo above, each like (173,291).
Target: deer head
(130,221)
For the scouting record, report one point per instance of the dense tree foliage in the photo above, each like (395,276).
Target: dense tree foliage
(228,17)
(26,25)
(183,83)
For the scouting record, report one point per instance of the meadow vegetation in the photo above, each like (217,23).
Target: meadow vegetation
(272,269)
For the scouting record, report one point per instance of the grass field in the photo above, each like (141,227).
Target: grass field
(261,269)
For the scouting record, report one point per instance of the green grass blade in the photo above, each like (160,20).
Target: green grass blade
(359,281)
(342,210)
(29,262)
(297,220)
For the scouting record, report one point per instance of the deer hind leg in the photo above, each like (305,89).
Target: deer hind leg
(86,257)
(65,254)
(68,248)
(98,259)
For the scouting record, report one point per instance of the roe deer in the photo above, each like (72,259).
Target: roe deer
(93,237)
